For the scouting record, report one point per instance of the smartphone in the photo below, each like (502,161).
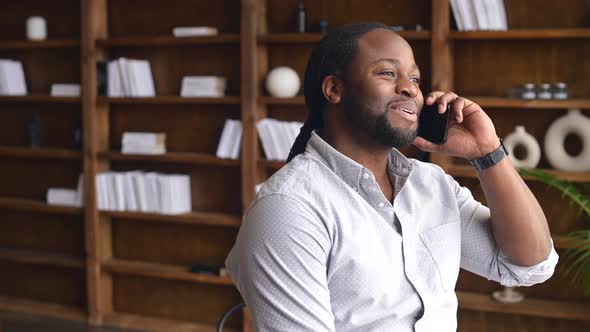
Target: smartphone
(433,126)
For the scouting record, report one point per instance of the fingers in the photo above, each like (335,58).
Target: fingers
(427,146)
(457,109)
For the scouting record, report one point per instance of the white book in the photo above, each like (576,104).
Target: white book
(467,14)
(164,194)
(223,147)
(284,138)
(491,14)
(194,31)
(277,143)
(130,199)
(114,80)
(142,149)
(203,86)
(120,190)
(181,194)
(140,187)
(143,79)
(3,76)
(262,127)
(457,15)
(80,191)
(480,14)
(503,19)
(100,196)
(236,140)
(143,138)
(65,90)
(153,192)
(16,75)
(62,196)
(124,75)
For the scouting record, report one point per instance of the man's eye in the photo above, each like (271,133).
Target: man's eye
(388,73)
(416,80)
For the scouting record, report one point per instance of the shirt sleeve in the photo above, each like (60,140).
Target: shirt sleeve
(279,265)
(480,253)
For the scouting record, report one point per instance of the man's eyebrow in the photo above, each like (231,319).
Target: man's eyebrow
(395,62)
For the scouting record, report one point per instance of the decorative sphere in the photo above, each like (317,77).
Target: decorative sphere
(283,82)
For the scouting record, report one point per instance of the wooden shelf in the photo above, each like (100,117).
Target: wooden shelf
(45,99)
(27,44)
(299,100)
(314,37)
(194,218)
(40,153)
(41,258)
(172,100)
(528,307)
(13,304)
(522,34)
(173,157)
(467,171)
(162,271)
(168,40)
(30,205)
(498,102)
(130,321)
(271,164)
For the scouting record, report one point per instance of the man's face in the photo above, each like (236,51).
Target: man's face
(382,95)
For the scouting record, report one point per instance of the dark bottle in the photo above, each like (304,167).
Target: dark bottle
(300,18)
(35,129)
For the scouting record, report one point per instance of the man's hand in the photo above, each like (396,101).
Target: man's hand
(471,132)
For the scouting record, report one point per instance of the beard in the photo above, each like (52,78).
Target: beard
(373,120)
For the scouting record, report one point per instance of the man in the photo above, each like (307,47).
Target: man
(352,236)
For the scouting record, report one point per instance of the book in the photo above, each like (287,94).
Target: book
(194,31)
(62,196)
(143,143)
(65,90)
(203,86)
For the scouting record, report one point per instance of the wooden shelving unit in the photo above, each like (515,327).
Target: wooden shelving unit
(132,268)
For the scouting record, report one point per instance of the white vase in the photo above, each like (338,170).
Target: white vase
(36,28)
(283,82)
(533,151)
(574,122)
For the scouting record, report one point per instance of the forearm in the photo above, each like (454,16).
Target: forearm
(518,222)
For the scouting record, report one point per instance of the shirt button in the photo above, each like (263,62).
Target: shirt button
(381,205)
(366,175)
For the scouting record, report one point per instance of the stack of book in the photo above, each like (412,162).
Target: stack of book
(194,31)
(479,15)
(231,139)
(66,196)
(130,78)
(144,192)
(143,143)
(203,86)
(12,78)
(277,137)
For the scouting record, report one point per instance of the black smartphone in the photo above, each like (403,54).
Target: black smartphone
(432,125)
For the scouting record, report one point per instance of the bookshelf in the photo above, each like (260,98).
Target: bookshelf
(86,264)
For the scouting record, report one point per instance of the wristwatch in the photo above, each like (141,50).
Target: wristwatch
(491,158)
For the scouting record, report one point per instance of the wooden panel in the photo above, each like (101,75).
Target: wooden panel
(170,65)
(57,234)
(62,16)
(175,300)
(494,66)
(498,322)
(43,67)
(281,13)
(196,218)
(130,321)
(213,189)
(58,124)
(13,304)
(21,178)
(541,14)
(172,243)
(194,128)
(43,283)
(128,18)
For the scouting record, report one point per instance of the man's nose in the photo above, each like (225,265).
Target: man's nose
(407,88)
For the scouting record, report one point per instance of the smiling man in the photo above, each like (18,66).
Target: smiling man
(351,235)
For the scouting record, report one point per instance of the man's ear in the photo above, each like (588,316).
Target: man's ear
(333,88)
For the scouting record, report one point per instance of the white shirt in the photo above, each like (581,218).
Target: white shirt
(322,249)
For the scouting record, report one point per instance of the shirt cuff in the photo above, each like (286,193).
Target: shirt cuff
(515,275)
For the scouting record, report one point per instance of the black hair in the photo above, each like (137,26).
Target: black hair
(332,56)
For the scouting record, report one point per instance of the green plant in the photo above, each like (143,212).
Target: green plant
(576,260)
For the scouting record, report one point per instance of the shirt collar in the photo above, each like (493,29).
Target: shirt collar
(349,170)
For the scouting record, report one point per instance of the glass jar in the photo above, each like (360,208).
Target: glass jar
(560,91)
(544,91)
(529,91)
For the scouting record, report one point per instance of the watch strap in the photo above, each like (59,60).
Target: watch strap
(491,158)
